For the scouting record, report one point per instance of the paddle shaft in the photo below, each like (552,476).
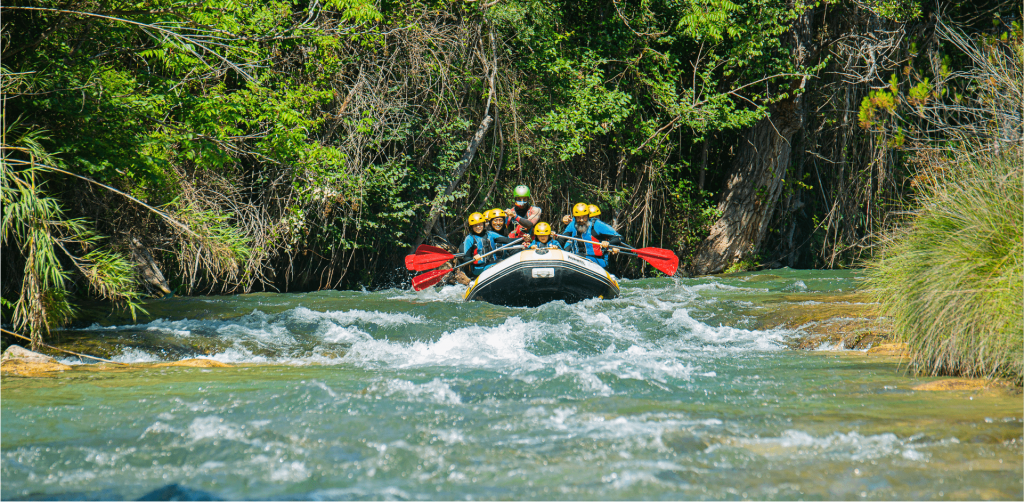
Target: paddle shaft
(485,255)
(592,242)
(662,259)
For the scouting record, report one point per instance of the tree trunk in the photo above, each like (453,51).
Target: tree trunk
(147,267)
(752,191)
(758,171)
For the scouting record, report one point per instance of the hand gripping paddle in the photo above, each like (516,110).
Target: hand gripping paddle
(424,281)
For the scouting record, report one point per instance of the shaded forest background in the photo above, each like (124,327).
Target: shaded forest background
(228,147)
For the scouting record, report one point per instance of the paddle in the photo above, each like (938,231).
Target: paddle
(428,257)
(662,259)
(424,281)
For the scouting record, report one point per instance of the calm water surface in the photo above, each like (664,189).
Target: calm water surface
(669,392)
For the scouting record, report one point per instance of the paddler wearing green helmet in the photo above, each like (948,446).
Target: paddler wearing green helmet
(523,215)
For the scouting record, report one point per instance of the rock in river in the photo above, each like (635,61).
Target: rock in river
(18,361)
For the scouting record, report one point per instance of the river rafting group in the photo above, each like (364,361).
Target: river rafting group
(510,257)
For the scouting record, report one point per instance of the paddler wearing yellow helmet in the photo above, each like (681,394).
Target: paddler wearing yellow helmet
(542,237)
(598,234)
(495,232)
(594,213)
(477,243)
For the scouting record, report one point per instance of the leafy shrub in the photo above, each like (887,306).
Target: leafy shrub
(952,279)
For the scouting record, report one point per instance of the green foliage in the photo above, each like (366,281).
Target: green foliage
(292,135)
(870,107)
(36,225)
(952,279)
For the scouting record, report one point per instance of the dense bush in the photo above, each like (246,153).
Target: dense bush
(952,279)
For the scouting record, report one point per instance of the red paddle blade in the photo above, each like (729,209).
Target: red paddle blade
(424,281)
(426,258)
(662,259)
(420,263)
(423,248)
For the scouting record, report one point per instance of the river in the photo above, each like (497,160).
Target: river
(675,390)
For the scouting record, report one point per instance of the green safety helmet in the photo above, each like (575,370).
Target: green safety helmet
(521,191)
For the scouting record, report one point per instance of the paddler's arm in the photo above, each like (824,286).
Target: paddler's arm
(525,222)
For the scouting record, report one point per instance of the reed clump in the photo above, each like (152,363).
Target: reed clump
(952,279)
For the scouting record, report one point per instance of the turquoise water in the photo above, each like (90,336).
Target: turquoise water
(669,392)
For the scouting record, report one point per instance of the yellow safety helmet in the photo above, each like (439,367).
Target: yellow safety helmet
(542,228)
(581,209)
(594,211)
(494,213)
(476,219)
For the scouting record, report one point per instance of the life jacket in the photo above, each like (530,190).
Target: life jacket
(520,230)
(550,244)
(592,248)
(483,244)
(491,234)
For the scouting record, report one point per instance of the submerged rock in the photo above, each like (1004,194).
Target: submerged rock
(956,384)
(890,349)
(175,491)
(195,363)
(19,352)
(19,361)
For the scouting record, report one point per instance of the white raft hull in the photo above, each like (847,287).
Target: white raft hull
(536,276)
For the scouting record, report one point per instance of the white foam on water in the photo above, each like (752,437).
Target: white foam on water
(498,347)
(796,286)
(447,293)
(349,317)
(627,478)
(717,286)
(236,355)
(134,355)
(589,382)
(725,338)
(344,334)
(629,433)
(434,390)
(617,327)
(214,427)
(837,446)
(290,471)
(266,334)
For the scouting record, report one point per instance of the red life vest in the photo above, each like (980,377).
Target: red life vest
(520,230)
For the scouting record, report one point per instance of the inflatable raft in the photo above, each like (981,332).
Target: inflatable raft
(534,277)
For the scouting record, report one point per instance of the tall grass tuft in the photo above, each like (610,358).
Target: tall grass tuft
(952,279)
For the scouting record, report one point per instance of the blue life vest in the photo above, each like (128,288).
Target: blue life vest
(491,234)
(483,246)
(550,244)
(592,250)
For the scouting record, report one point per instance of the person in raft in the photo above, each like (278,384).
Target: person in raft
(594,213)
(542,237)
(496,221)
(596,231)
(522,217)
(496,233)
(477,243)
